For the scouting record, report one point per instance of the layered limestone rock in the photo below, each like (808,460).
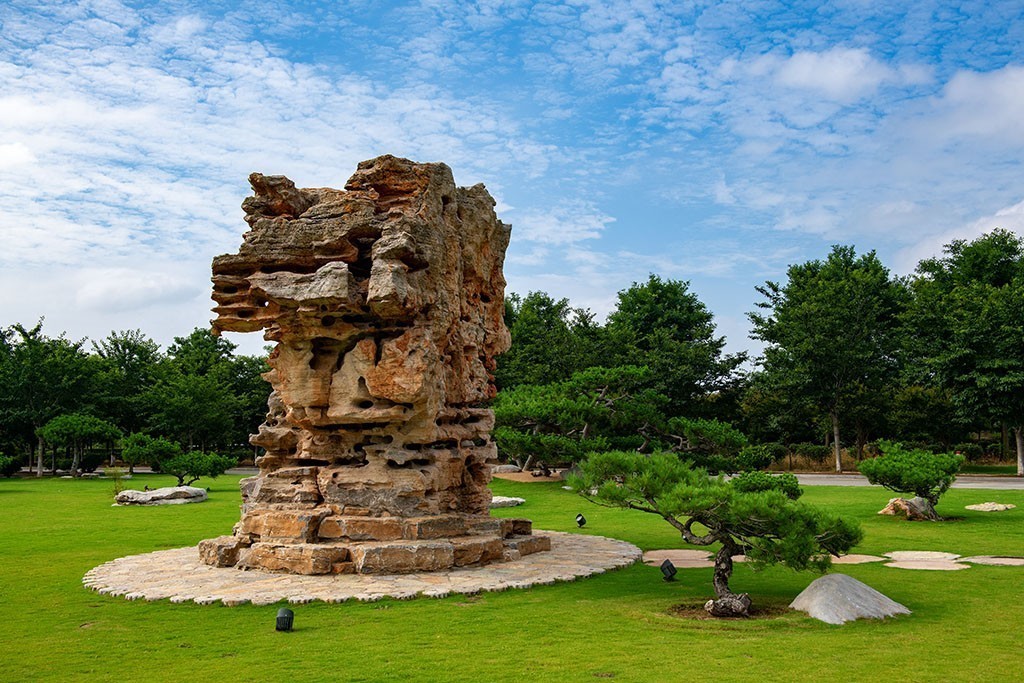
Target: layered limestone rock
(386,303)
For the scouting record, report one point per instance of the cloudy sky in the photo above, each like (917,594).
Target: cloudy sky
(712,142)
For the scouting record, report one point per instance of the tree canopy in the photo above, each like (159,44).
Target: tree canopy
(832,331)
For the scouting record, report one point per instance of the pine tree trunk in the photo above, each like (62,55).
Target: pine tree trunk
(727,604)
(835,440)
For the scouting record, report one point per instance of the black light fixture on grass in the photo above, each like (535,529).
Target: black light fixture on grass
(668,570)
(581,521)
(285,617)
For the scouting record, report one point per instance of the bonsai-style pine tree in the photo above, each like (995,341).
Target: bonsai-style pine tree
(754,514)
(927,475)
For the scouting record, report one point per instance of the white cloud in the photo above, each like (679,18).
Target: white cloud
(839,74)
(567,223)
(1008,218)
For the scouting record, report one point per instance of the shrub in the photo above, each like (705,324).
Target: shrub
(753,482)
(196,464)
(813,451)
(915,471)
(777,450)
(752,458)
(117,474)
(140,448)
(972,451)
(9,466)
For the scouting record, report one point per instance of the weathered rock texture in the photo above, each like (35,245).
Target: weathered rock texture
(838,598)
(915,509)
(385,300)
(169,495)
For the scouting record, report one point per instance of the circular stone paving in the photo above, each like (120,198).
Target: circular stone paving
(178,575)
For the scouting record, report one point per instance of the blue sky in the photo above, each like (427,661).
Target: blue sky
(711,142)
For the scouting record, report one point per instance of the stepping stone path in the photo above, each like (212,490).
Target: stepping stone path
(684,558)
(179,575)
(924,559)
(995,560)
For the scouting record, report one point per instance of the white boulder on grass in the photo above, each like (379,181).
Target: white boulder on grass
(169,495)
(838,598)
(506,501)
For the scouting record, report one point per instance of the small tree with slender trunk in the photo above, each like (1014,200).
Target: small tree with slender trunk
(927,475)
(754,515)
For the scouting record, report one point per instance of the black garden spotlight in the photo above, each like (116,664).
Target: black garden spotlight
(668,570)
(581,521)
(285,617)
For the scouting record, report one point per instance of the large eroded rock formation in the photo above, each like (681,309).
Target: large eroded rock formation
(386,302)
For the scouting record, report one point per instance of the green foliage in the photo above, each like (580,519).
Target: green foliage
(752,482)
(915,471)
(752,458)
(139,449)
(601,408)
(195,464)
(78,431)
(757,518)
(971,451)
(968,314)
(665,325)
(550,341)
(832,333)
(814,452)
(9,466)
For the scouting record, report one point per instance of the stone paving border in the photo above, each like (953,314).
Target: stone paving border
(898,559)
(179,576)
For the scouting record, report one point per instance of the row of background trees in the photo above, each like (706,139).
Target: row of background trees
(852,354)
(62,400)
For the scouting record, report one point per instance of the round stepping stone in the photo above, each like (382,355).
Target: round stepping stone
(680,557)
(920,555)
(995,560)
(857,559)
(929,565)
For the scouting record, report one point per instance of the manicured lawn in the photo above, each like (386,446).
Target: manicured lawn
(966,624)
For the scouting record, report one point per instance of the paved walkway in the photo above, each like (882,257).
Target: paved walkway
(964,481)
(178,575)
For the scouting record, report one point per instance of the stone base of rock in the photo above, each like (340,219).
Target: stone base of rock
(838,598)
(350,544)
(181,576)
(169,495)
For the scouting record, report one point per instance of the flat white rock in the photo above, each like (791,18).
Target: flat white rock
(838,598)
(991,507)
(506,501)
(169,495)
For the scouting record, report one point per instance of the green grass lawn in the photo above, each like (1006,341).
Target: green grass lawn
(966,625)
